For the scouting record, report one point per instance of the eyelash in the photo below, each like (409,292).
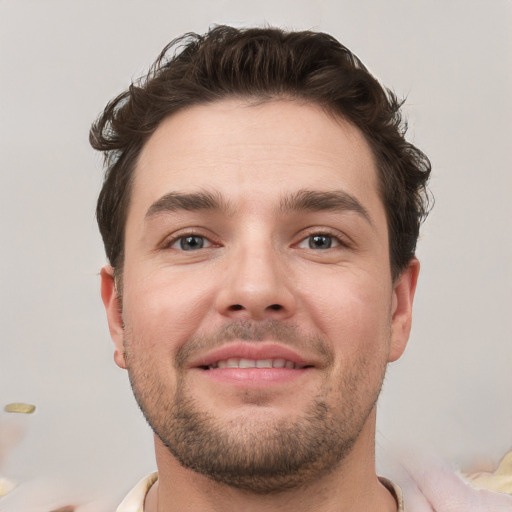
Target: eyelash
(335,237)
(177,238)
(340,241)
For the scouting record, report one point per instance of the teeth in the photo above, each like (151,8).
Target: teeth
(264,363)
(254,363)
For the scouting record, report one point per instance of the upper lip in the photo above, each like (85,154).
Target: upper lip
(250,350)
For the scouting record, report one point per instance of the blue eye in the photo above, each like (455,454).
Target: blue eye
(320,242)
(190,243)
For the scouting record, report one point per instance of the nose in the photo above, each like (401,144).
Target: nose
(256,285)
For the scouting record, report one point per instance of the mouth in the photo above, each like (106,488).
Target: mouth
(243,363)
(254,364)
(250,355)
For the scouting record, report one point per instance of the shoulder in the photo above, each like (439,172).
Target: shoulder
(395,490)
(134,501)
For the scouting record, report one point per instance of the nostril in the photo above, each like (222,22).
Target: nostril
(272,307)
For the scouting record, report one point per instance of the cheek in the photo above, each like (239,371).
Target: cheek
(163,310)
(352,311)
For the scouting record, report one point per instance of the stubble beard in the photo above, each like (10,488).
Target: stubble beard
(258,456)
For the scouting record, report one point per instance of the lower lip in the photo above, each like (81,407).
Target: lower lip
(255,377)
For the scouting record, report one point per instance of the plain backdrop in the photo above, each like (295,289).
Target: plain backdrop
(61,61)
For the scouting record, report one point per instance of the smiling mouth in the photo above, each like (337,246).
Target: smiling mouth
(255,363)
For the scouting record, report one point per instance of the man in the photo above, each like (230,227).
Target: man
(260,213)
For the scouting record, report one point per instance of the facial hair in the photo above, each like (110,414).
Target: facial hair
(250,454)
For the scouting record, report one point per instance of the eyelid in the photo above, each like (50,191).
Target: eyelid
(175,238)
(340,239)
(175,244)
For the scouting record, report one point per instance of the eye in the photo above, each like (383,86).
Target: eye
(319,241)
(190,243)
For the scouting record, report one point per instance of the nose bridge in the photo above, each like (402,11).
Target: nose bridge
(257,285)
(257,267)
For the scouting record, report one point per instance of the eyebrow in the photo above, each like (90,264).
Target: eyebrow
(313,200)
(174,201)
(302,200)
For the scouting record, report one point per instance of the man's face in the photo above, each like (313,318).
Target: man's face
(258,310)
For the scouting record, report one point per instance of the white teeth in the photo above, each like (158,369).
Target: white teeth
(254,363)
(264,363)
(247,363)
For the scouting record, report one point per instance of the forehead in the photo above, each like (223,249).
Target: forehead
(254,153)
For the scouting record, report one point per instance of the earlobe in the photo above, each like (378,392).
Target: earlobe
(112,305)
(402,300)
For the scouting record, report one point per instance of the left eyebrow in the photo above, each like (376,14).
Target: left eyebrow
(314,200)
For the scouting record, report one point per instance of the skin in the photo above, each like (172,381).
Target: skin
(339,309)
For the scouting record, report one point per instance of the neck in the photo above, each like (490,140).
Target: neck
(352,486)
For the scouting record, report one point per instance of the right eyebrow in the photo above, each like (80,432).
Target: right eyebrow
(174,201)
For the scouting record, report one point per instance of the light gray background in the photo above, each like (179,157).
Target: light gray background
(61,61)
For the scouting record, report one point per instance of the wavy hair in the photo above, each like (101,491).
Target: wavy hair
(262,63)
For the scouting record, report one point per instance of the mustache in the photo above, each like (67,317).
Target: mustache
(287,334)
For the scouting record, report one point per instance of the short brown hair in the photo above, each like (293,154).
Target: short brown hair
(262,63)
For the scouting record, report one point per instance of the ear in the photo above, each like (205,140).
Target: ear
(114,314)
(403,296)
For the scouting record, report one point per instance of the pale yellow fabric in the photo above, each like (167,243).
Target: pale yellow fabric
(500,480)
(6,486)
(134,502)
